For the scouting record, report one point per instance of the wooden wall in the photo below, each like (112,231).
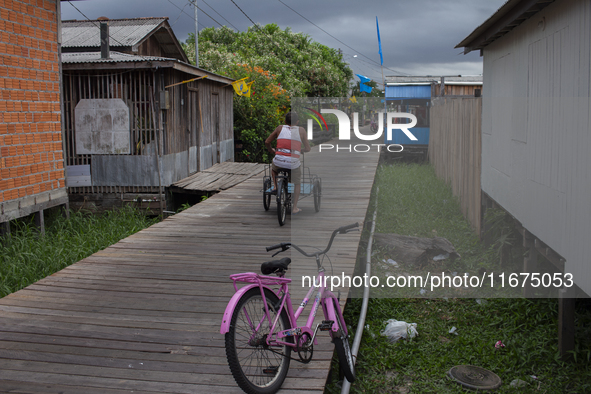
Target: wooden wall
(150,47)
(455,150)
(200,115)
(455,90)
(535,129)
(199,118)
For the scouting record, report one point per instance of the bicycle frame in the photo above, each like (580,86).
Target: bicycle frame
(261,327)
(279,338)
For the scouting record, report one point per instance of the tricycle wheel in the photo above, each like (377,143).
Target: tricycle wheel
(266,194)
(282,200)
(317,195)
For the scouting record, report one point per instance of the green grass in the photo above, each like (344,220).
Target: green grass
(412,201)
(26,257)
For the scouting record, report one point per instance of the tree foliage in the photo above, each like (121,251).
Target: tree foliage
(375,92)
(304,67)
(282,65)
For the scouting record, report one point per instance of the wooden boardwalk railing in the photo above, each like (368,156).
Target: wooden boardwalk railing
(144,314)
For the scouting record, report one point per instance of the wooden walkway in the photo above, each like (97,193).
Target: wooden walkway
(221,176)
(144,314)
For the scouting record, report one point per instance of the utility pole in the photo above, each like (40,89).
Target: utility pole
(196,35)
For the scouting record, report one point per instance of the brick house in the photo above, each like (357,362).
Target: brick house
(31,155)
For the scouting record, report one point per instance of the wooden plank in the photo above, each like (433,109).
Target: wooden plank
(220,176)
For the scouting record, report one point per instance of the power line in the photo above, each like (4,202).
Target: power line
(88,19)
(260,30)
(336,38)
(374,67)
(180,13)
(363,70)
(192,17)
(251,21)
(237,29)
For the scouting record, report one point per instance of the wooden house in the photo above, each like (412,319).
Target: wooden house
(31,155)
(132,123)
(535,132)
(413,94)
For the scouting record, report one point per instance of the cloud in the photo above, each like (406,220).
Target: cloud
(416,35)
(455,68)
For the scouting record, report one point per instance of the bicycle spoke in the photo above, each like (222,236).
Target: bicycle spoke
(255,363)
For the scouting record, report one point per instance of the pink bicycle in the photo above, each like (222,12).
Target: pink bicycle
(261,328)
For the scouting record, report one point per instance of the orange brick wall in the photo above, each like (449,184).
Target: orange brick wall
(31,156)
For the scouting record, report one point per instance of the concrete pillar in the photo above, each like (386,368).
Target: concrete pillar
(4,229)
(566,322)
(40,221)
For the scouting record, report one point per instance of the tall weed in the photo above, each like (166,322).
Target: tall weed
(26,256)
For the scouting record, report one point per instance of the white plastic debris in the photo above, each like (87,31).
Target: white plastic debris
(392,263)
(440,257)
(518,383)
(423,291)
(481,301)
(453,330)
(396,329)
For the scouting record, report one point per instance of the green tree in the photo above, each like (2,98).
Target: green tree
(282,65)
(255,117)
(304,67)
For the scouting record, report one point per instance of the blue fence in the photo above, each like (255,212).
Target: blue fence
(398,137)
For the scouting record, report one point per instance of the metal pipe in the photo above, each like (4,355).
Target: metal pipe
(196,35)
(361,323)
(104,29)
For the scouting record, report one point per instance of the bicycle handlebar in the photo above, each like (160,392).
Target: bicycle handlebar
(343,230)
(286,245)
(282,245)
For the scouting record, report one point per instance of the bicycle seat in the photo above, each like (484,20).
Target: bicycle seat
(271,267)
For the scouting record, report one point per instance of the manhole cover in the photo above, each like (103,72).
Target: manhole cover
(475,378)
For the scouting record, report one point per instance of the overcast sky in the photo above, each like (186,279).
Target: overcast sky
(418,36)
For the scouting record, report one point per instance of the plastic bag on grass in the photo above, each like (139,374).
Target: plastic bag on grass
(396,329)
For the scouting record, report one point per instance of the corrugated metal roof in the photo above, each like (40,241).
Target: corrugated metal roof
(122,32)
(505,19)
(116,57)
(412,80)
(396,80)
(408,91)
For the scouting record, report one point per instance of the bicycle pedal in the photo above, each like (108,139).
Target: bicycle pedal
(326,325)
(270,370)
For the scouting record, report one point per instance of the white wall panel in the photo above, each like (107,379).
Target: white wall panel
(536,145)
